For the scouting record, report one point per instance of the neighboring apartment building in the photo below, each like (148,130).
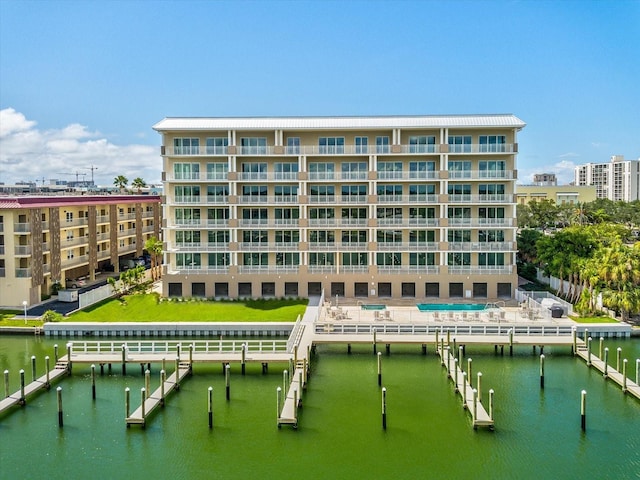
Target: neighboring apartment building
(367,207)
(617,180)
(547,179)
(47,240)
(560,194)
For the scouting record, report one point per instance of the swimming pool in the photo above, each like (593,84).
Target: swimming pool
(373,307)
(457,307)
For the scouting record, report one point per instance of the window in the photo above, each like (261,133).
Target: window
(361,144)
(321,171)
(255,236)
(217,145)
(355,214)
(259,215)
(218,236)
(321,258)
(491,235)
(217,171)
(459,213)
(286,171)
(422,169)
(354,236)
(353,191)
(389,212)
(491,189)
(420,192)
(459,259)
(491,213)
(186,146)
(218,259)
(331,145)
(355,259)
(389,236)
(293,145)
(325,213)
(459,236)
(389,190)
(287,236)
(354,170)
(491,259)
(285,191)
(460,169)
(422,144)
(459,143)
(187,238)
(187,193)
(422,212)
(216,214)
(288,259)
(492,143)
(253,145)
(217,193)
(422,236)
(256,191)
(492,169)
(389,170)
(422,258)
(186,171)
(69,217)
(459,189)
(254,171)
(326,192)
(322,236)
(188,260)
(286,215)
(388,259)
(255,258)
(382,144)
(187,216)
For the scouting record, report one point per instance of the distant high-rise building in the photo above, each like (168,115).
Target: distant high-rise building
(545,179)
(617,180)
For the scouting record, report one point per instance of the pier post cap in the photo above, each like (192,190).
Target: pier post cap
(211,389)
(606,349)
(491,391)
(475,391)
(455,360)
(21,371)
(59,389)
(162,371)
(542,356)
(619,349)
(602,338)
(590,339)
(384,389)
(479,374)
(379,354)
(127,389)
(93,365)
(33,357)
(624,361)
(143,389)
(279,389)
(46,357)
(227,366)
(6,372)
(583,392)
(464,374)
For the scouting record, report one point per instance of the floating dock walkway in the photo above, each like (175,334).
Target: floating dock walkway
(44,382)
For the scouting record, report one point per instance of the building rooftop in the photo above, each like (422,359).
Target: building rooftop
(334,123)
(60,201)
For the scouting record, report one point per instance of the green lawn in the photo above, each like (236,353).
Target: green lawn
(146,308)
(602,319)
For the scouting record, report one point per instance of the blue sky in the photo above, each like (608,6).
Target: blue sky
(82,82)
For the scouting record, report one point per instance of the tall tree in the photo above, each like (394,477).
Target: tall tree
(138,183)
(121,182)
(154,247)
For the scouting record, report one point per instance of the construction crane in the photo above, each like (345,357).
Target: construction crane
(77,174)
(92,168)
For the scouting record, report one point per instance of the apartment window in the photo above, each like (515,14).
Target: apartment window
(253,145)
(218,259)
(459,189)
(255,191)
(255,214)
(69,217)
(283,214)
(459,236)
(389,190)
(218,236)
(492,143)
(285,191)
(354,170)
(459,213)
(187,216)
(432,289)
(70,233)
(491,189)
(389,236)
(255,258)
(254,171)
(288,259)
(217,145)
(459,259)
(286,171)
(355,259)
(216,214)
(188,260)
(491,259)
(287,236)
(459,143)
(421,169)
(186,193)
(354,213)
(354,236)
(69,254)
(354,190)
(322,236)
(504,290)
(382,144)
(187,238)
(422,259)
(491,235)
(492,169)
(479,290)
(422,212)
(244,289)
(321,171)
(293,145)
(331,145)
(361,144)
(388,259)
(321,258)
(217,171)
(324,191)
(322,213)
(217,193)
(422,236)
(186,146)
(422,144)
(460,169)
(186,171)
(491,212)
(389,170)
(420,191)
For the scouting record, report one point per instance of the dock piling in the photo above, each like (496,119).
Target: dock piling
(384,408)
(606,362)
(285,379)
(470,372)
(464,389)
(278,401)
(442,351)
(177,373)
(163,378)
(624,375)
(460,355)
(55,353)
(124,359)
(601,349)
(143,397)
(542,371)
(33,368)
(6,383)
(589,351)
(227,373)
(244,358)
(23,400)
(479,387)
(60,414)
(583,410)
(511,342)
(93,381)
(475,406)
(448,361)
(491,404)
(375,334)
(574,335)
(379,369)
(69,364)
(637,371)
(47,383)
(455,369)
(618,356)
(147,382)
(210,406)
(127,402)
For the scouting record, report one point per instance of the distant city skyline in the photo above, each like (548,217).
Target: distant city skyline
(82,83)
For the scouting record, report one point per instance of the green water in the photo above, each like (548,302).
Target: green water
(340,436)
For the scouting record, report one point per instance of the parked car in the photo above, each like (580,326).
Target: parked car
(75,283)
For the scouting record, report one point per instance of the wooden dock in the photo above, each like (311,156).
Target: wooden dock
(43,382)
(155,399)
(627,385)
(293,400)
(470,400)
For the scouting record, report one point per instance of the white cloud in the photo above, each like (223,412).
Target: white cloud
(28,153)
(563,168)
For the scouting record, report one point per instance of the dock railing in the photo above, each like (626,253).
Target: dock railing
(343,328)
(165,346)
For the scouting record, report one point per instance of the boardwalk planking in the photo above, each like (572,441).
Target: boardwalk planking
(40,383)
(612,373)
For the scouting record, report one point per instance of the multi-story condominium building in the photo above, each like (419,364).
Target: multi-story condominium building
(617,180)
(362,207)
(546,179)
(560,194)
(47,240)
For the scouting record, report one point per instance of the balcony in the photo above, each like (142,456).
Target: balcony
(76,261)
(22,250)
(23,272)
(198,200)
(200,270)
(74,241)
(350,222)
(480,270)
(482,148)
(493,198)
(198,223)
(481,174)
(409,175)
(21,227)
(322,246)
(408,270)
(199,247)
(323,222)
(408,247)
(481,222)
(353,246)
(420,198)
(325,269)
(102,219)
(268,269)
(354,269)
(262,199)
(196,151)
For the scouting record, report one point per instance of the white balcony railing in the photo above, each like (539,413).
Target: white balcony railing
(480,270)
(22,250)
(481,174)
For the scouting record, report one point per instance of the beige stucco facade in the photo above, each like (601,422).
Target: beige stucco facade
(47,240)
(560,194)
(365,207)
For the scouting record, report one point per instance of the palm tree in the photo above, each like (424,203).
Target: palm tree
(154,247)
(620,272)
(138,183)
(121,182)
